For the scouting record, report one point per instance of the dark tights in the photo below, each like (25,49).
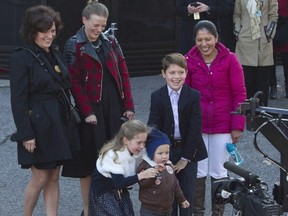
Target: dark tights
(257,79)
(284,59)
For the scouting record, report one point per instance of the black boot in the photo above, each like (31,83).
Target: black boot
(273,92)
(199,203)
(217,209)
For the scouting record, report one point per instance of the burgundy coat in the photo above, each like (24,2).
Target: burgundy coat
(282,11)
(87,74)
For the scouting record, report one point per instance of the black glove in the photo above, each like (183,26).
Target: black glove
(270,29)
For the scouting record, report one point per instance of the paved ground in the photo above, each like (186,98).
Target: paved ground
(13,179)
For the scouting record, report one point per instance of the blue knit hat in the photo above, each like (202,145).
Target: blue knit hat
(154,140)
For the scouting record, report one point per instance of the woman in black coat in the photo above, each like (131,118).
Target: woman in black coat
(219,12)
(191,12)
(40,110)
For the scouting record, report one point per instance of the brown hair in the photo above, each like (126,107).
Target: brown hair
(94,7)
(39,18)
(174,58)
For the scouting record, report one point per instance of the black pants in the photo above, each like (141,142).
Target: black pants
(187,180)
(257,79)
(147,212)
(284,59)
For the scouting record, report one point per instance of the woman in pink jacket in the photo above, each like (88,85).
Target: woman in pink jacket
(218,75)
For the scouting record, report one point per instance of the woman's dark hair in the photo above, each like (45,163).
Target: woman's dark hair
(39,18)
(205,24)
(93,7)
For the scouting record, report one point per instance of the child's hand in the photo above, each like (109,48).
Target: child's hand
(148,173)
(185,204)
(160,167)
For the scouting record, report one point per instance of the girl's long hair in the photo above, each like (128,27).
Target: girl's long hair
(129,130)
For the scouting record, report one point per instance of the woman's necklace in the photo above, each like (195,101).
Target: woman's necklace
(97,45)
(208,62)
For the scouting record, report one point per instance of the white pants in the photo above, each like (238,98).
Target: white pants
(217,156)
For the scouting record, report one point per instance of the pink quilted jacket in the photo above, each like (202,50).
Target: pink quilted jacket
(222,88)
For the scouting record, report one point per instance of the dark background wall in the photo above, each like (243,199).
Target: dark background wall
(11,13)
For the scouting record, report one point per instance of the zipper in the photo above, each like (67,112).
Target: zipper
(87,76)
(118,72)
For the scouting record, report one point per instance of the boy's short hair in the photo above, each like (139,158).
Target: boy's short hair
(174,58)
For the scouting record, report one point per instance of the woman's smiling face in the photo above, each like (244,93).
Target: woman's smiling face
(206,42)
(45,39)
(94,26)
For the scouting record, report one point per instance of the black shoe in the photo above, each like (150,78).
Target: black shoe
(273,92)
(82,213)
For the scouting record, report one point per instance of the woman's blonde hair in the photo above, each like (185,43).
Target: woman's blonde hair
(94,7)
(129,130)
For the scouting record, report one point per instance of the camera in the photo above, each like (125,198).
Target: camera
(272,123)
(248,195)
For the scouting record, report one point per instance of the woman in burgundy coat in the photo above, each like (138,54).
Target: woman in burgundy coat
(282,49)
(101,89)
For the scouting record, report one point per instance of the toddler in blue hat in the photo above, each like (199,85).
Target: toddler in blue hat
(158,194)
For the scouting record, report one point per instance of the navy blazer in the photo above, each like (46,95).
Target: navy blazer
(190,121)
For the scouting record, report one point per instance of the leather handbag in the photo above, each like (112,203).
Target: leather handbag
(73,110)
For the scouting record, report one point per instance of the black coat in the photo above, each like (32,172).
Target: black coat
(220,13)
(223,11)
(186,39)
(190,123)
(38,107)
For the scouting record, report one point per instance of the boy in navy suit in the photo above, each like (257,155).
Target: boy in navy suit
(175,110)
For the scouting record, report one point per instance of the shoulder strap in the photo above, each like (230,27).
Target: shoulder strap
(50,69)
(44,62)
(29,50)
